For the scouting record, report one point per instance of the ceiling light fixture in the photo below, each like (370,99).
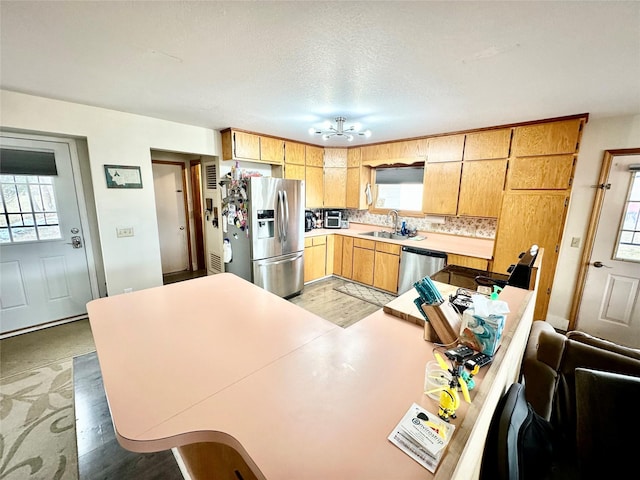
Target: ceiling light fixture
(339,131)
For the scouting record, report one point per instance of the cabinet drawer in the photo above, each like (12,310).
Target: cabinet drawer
(470,262)
(368,244)
(385,247)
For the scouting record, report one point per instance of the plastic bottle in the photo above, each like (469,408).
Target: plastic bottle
(403,229)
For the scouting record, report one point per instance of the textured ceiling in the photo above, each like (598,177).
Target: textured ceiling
(401,69)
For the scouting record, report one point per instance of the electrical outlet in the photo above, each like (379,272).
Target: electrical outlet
(575,242)
(128,290)
(124,232)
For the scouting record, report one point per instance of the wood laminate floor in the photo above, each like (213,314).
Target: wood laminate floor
(100,457)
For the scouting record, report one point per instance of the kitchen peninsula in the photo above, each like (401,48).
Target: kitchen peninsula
(239,379)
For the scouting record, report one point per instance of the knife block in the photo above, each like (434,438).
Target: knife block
(444,320)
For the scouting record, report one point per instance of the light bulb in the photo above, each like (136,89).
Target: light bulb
(350,138)
(325,137)
(312,131)
(367,133)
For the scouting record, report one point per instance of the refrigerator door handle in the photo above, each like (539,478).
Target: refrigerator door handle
(286,214)
(279,214)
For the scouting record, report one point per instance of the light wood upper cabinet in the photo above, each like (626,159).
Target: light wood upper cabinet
(445,149)
(546,138)
(335,187)
(481,188)
(553,172)
(294,153)
(240,146)
(294,172)
(272,150)
(314,187)
(441,186)
(354,157)
(314,156)
(335,157)
(408,150)
(487,145)
(375,154)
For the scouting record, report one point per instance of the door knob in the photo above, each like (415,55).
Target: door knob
(600,265)
(76,242)
(181,228)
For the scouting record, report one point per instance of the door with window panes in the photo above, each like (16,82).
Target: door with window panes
(44,273)
(610,306)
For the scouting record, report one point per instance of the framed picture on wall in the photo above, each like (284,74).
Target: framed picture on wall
(123,176)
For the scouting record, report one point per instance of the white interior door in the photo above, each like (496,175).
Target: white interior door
(44,275)
(172,218)
(610,305)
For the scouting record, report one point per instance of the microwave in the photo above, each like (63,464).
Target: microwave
(333,219)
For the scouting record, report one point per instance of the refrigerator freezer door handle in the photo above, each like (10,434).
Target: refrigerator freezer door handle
(285,227)
(279,216)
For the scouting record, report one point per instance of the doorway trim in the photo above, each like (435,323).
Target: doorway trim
(82,204)
(592,228)
(195,175)
(185,201)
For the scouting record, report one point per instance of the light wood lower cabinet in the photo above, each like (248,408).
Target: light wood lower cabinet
(386,266)
(363,260)
(315,257)
(347,257)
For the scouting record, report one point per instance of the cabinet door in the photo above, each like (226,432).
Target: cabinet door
(445,149)
(529,218)
(353,188)
(363,262)
(314,187)
(375,154)
(408,150)
(314,156)
(337,254)
(347,257)
(441,186)
(294,172)
(335,187)
(294,153)
(387,268)
(246,146)
(481,188)
(487,145)
(546,138)
(315,259)
(335,157)
(272,150)
(541,173)
(354,155)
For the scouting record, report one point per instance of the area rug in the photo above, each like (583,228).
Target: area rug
(367,294)
(37,424)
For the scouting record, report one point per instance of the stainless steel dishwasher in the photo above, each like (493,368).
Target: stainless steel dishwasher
(417,263)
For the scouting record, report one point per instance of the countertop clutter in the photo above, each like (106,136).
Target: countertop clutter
(454,244)
(273,391)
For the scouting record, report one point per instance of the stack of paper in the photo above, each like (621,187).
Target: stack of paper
(423,436)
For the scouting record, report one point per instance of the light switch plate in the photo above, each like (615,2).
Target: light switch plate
(124,232)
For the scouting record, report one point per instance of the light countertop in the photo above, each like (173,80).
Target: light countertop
(217,359)
(455,244)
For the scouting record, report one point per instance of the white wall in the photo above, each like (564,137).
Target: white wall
(122,139)
(599,135)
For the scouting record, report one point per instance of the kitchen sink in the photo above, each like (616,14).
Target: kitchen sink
(385,234)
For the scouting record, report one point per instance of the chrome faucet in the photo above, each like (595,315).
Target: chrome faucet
(395,222)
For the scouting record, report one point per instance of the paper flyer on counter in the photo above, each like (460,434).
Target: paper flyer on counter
(423,436)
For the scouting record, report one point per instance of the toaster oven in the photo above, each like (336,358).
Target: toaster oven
(333,219)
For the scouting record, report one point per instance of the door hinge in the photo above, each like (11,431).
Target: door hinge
(557,248)
(566,202)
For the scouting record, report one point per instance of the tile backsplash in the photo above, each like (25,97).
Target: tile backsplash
(466,226)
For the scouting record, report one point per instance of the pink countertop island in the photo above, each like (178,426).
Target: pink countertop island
(241,380)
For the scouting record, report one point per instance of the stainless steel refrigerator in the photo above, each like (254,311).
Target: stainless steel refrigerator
(265,233)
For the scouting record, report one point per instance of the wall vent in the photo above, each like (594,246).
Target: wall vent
(211,175)
(215,263)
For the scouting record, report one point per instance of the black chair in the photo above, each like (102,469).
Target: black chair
(520,443)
